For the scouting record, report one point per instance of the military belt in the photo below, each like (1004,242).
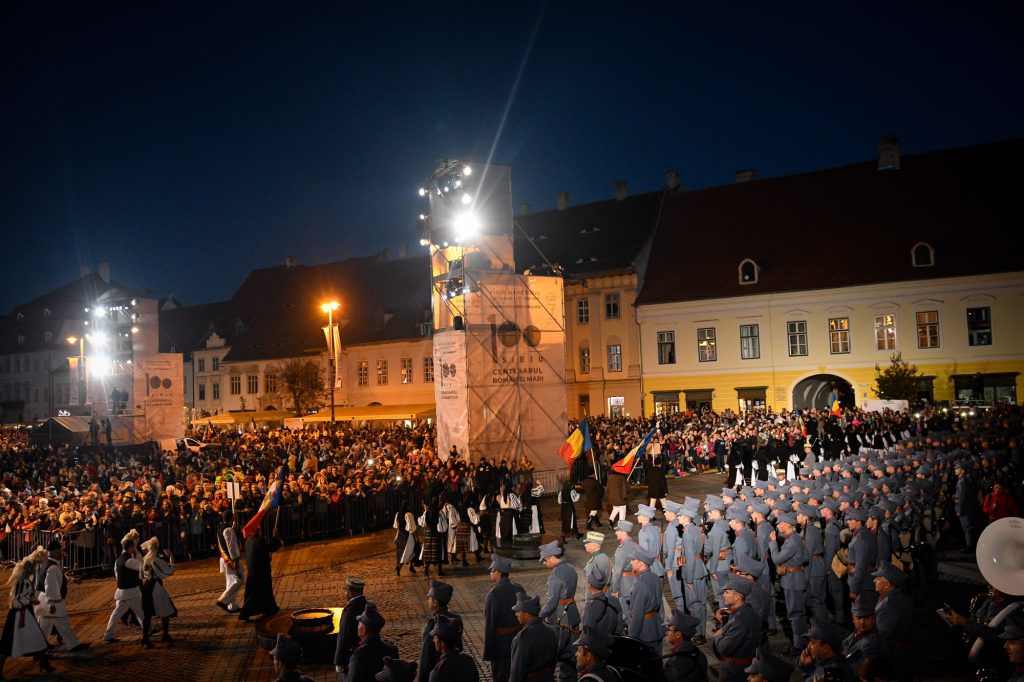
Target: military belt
(739,662)
(650,614)
(511,630)
(783,570)
(625,573)
(566,601)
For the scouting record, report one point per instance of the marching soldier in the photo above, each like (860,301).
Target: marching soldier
(52,609)
(623,576)
(833,528)
(684,661)
(759,513)
(368,658)
(863,642)
(737,639)
(645,605)
(452,665)
(348,630)
(671,550)
(602,611)
(500,623)
(789,562)
(814,546)
(535,648)
(692,570)
(862,554)
(592,650)
(561,588)
(437,599)
(717,551)
(649,537)
(598,562)
(894,614)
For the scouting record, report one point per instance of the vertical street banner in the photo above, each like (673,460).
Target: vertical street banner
(336,329)
(157,384)
(450,392)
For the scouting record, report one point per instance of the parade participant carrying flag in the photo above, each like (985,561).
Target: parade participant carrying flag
(836,411)
(270,500)
(628,463)
(576,444)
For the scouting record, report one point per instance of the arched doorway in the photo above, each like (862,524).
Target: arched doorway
(814,392)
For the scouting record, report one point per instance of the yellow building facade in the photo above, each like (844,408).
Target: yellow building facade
(786,350)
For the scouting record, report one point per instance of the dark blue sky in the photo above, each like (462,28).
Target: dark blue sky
(188,147)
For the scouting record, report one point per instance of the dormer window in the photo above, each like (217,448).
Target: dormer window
(922,255)
(47,312)
(749,270)
(21,316)
(21,339)
(48,336)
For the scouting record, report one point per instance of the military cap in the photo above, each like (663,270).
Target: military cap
(286,648)
(831,505)
(1014,629)
(808,511)
(856,515)
(737,514)
(891,573)
(824,632)
(876,513)
(550,549)
(865,604)
(595,537)
(644,510)
(739,584)
(597,576)
(800,497)
(729,492)
(641,554)
(672,507)
(624,525)
(684,622)
(691,502)
(714,502)
(447,628)
(397,670)
(500,564)
(596,642)
(527,604)
(787,517)
(355,584)
(371,618)
(440,591)
(759,507)
(770,666)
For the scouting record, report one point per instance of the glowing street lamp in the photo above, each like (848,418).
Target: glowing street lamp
(332,371)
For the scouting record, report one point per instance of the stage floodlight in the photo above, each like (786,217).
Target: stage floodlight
(467,170)
(466,198)
(423,191)
(466,224)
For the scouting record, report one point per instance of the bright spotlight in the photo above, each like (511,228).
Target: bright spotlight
(423,191)
(98,311)
(467,170)
(466,198)
(99,365)
(424,242)
(466,224)
(135,330)
(99,338)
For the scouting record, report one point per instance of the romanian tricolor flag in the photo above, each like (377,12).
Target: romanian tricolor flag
(627,463)
(576,444)
(270,500)
(836,411)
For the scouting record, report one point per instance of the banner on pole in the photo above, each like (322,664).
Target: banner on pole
(450,392)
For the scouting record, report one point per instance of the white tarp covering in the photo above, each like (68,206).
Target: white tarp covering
(450,392)
(158,391)
(882,405)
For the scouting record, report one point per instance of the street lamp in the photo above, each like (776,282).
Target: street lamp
(329,308)
(83,378)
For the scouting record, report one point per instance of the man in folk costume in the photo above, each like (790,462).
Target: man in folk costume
(128,595)
(22,635)
(451,515)
(405,540)
(468,535)
(156,566)
(230,563)
(500,624)
(52,610)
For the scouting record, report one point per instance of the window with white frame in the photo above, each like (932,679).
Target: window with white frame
(201,364)
(363,370)
(796,331)
(585,360)
(885,332)
(707,345)
(236,385)
(748,271)
(428,370)
(750,342)
(406,370)
(202,391)
(382,372)
(215,390)
(252,384)
(838,335)
(270,383)
(922,255)
(667,348)
(216,364)
(928,329)
(583,311)
(979,326)
(611,306)
(614,357)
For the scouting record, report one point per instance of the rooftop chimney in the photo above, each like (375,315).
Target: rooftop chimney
(104,272)
(289,262)
(745,175)
(672,181)
(524,209)
(562,200)
(621,190)
(888,153)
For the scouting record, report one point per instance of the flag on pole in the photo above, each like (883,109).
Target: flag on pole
(836,411)
(576,444)
(270,500)
(628,463)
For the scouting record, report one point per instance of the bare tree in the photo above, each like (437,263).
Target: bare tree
(302,382)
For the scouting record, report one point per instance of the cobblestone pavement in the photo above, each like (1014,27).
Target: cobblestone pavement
(211,645)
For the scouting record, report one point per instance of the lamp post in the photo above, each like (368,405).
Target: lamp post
(329,308)
(83,378)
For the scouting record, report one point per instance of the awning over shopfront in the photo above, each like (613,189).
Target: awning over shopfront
(374,413)
(232,418)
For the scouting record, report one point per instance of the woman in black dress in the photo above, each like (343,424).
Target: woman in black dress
(567,498)
(435,532)
(259,585)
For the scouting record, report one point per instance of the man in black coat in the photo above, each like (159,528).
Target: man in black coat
(593,491)
(500,624)
(592,650)
(437,599)
(452,665)
(348,630)
(259,587)
(368,658)
(684,661)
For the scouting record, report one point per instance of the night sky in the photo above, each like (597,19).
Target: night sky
(187,148)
